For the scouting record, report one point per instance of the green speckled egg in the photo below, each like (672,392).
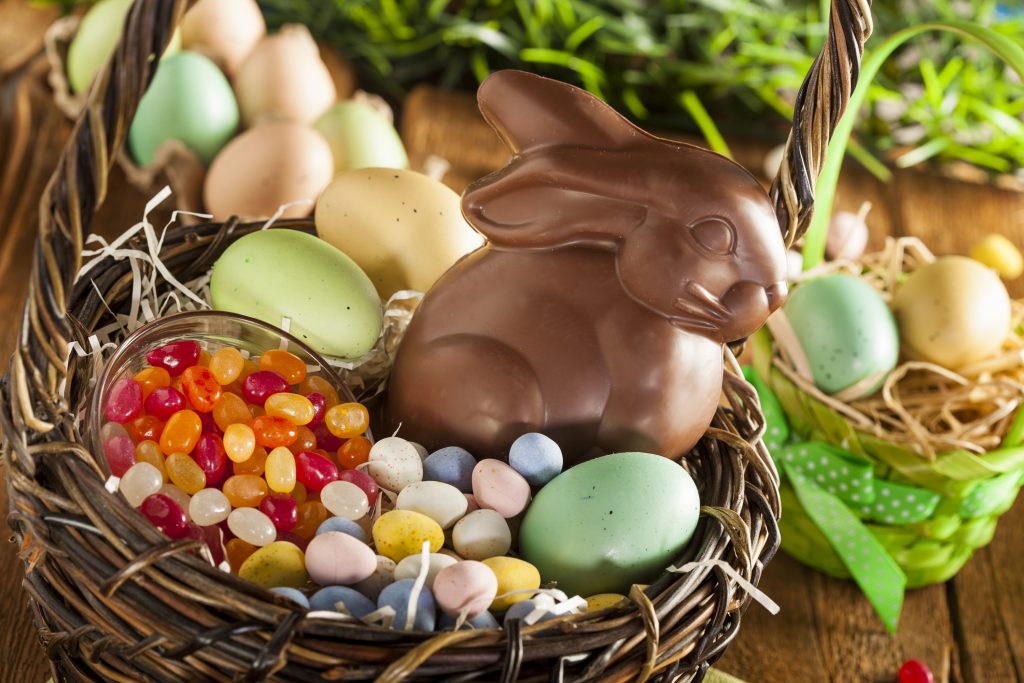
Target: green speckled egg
(846,330)
(279,273)
(189,100)
(610,522)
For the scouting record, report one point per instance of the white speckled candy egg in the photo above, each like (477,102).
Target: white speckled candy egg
(409,567)
(403,228)
(337,559)
(499,487)
(481,534)
(466,586)
(394,463)
(442,502)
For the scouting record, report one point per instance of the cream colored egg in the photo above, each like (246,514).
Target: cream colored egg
(284,78)
(403,228)
(226,31)
(266,167)
(953,312)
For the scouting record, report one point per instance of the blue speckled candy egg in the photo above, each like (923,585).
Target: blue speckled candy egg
(537,457)
(345,526)
(397,595)
(356,604)
(292,594)
(452,465)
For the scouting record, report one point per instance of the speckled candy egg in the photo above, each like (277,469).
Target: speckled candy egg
(394,463)
(466,586)
(452,465)
(482,620)
(481,534)
(442,502)
(382,576)
(333,598)
(513,575)
(846,331)
(537,457)
(610,522)
(496,486)
(400,533)
(409,567)
(397,596)
(334,558)
(278,564)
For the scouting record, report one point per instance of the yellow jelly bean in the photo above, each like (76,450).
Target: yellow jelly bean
(295,408)
(239,442)
(999,254)
(184,473)
(227,364)
(149,451)
(513,575)
(280,470)
(278,564)
(400,533)
(347,420)
(596,603)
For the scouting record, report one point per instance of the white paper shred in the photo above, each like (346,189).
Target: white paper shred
(753,591)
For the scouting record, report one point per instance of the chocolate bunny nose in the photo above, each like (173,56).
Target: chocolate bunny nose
(749,304)
(777,295)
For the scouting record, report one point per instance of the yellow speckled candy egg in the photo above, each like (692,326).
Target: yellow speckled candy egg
(400,533)
(403,228)
(596,603)
(278,564)
(513,575)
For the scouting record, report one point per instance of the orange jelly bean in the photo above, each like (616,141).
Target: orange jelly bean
(184,473)
(305,441)
(272,432)
(319,385)
(299,493)
(295,408)
(204,359)
(200,388)
(354,452)
(256,411)
(311,515)
(238,551)
(255,464)
(284,363)
(145,428)
(231,408)
(181,433)
(347,420)
(152,378)
(149,451)
(245,490)
(239,442)
(227,365)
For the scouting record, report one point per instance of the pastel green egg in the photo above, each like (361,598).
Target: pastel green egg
(278,564)
(189,100)
(279,273)
(847,332)
(360,138)
(610,522)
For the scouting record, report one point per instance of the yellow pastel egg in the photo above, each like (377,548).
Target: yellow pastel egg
(400,533)
(278,564)
(999,254)
(513,575)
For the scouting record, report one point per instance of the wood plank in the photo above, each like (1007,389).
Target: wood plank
(22,26)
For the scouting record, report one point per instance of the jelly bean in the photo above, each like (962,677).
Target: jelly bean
(319,385)
(304,441)
(299,493)
(452,465)
(238,551)
(229,410)
(165,514)
(178,496)
(239,442)
(335,559)
(513,575)
(326,440)
(282,510)
(175,356)
(201,388)
(481,534)
(409,567)
(272,432)
(602,601)
(165,402)
(345,526)
(204,359)
(319,403)
(398,595)
(209,424)
(121,454)
(260,385)
(334,598)
(227,365)
(248,368)
(315,471)
(363,481)
(209,507)
(312,514)
(999,254)
(382,576)
(354,452)
(284,363)
(256,464)
(277,564)
(465,587)
(214,540)
(149,451)
(537,457)
(185,473)
(150,378)
(211,458)
(482,620)
(346,420)
(400,533)
(915,671)
(256,411)
(245,490)
(345,499)
(394,463)
(139,482)
(295,408)
(252,526)
(293,594)
(499,487)
(280,470)
(442,502)
(145,428)
(124,401)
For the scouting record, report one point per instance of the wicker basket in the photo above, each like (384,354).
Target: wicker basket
(115,600)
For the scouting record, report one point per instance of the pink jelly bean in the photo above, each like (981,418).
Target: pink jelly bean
(314,471)
(211,458)
(164,402)
(209,424)
(319,402)
(124,402)
(282,510)
(261,384)
(293,538)
(175,357)
(325,440)
(363,481)
(120,452)
(165,514)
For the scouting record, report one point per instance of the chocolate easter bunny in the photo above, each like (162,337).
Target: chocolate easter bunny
(618,264)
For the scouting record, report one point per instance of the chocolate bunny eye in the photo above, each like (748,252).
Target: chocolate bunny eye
(715,235)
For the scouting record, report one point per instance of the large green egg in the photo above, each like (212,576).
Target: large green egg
(847,332)
(280,273)
(610,522)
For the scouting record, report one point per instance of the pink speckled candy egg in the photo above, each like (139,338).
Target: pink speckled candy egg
(498,487)
(337,559)
(471,503)
(465,586)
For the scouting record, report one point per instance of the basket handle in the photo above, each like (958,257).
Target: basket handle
(819,105)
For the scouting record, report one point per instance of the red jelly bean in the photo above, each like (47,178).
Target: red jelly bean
(213,537)
(319,402)
(261,384)
(915,671)
(293,537)
(282,510)
(201,388)
(314,471)
(120,452)
(175,357)
(325,440)
(211,458)
(164,402)
(209,424)
(363,481)
(124,402)
(165,514)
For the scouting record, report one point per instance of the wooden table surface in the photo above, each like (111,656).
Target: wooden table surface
(970,629)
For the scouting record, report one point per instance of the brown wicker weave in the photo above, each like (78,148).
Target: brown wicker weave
(115,600)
